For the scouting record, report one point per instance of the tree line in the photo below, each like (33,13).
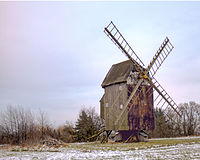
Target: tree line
(19,126)
(172,125)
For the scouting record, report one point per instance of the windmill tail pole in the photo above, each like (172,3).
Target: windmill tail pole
(97,134)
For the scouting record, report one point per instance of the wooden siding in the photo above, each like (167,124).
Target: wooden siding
(140,115)
(115,95)
(102,106)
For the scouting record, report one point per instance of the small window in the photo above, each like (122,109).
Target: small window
(106,104)
(121,106)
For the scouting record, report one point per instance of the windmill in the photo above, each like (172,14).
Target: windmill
(131,90)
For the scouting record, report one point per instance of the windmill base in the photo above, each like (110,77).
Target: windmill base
(127,136)
(131,136)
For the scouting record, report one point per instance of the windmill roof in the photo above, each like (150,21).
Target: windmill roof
(118,73)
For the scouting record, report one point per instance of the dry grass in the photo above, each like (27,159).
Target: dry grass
(153,143)
(176,148)
(113,146)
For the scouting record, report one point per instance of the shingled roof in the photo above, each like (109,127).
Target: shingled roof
(118,73)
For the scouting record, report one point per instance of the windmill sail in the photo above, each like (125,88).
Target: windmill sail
(113,33)
(162,53)
(163,96)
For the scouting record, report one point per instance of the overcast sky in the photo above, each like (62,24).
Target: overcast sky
(55,55)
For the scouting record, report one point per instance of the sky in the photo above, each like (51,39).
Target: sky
(55,55)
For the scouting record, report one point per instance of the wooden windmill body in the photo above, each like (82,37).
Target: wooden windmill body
(131,91)
(121,79)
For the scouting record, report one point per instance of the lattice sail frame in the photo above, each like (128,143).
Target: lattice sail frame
(163,99)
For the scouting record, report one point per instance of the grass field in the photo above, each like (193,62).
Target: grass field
(166,148)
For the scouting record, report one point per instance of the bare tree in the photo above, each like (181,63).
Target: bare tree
(15,124)
(190,118)
(66,132)
(18,125)
(187,124)
(43,123)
